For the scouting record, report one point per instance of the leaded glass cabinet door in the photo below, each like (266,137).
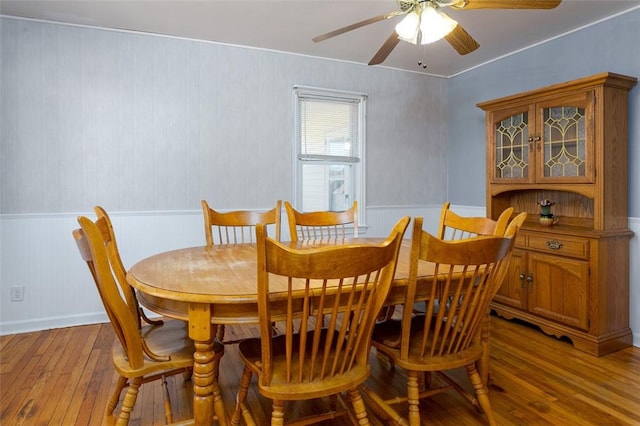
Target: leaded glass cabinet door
(512,158)
(564,133)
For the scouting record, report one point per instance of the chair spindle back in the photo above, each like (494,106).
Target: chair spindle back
(237,227)
(455,227)
(468,273)
(321,225)
(348,283)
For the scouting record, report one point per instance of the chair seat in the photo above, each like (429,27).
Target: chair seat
(281,388)
(386,338)
(168,340)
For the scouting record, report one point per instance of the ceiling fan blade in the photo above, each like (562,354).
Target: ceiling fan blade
(385,50)
(507,4)
(350,27)
(460,40)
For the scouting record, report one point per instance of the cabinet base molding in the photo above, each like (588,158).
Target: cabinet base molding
(598,345)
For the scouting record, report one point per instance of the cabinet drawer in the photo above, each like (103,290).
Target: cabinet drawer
(557,244)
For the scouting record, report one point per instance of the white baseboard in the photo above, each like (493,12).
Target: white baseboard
(39,324)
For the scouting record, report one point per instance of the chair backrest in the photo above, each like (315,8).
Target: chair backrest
(109,238)
(237,227)
(321,225)
(455,227)
(94,249)
(349,283)
(468,273)
(515,224)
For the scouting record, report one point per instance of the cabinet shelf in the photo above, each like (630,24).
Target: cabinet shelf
(587,191)
(571,208)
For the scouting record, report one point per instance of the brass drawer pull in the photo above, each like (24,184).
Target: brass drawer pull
(554,244)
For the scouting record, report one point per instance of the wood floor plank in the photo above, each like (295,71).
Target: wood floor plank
(65,376)
(36,377)
(77,408)
(562,383)
(17,357)
(66,370)
(102,346)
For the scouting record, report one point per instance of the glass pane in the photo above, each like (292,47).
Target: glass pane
(564,142)
(512,149)
(327,187)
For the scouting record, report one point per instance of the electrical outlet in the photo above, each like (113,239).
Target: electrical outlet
(17,293)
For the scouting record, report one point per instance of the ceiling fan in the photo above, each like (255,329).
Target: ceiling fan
(424,23)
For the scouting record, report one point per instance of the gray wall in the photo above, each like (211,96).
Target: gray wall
(612,45)
(147,126)
(146,123)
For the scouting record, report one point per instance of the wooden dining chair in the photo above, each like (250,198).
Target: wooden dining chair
(347,282)
(140,354)
(447,336)
(237,227)
(455,227)
(321,225)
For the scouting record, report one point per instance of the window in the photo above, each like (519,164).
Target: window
(329,150)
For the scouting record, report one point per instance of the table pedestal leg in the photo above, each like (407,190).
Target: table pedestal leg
(206,393)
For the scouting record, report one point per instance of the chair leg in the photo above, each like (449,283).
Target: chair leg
(129,401)
(386,313)
(386,359)
(333,402)
(115,397)
(481,392)
(422,381)
(358,407)
(413,397)
(382,408)
(247,417)
(277,416)
(220,333)
(168,414)
(245,381)
(187,374)
(149,320)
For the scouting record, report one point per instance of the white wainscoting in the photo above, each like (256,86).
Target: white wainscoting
(39,253)
(634,280)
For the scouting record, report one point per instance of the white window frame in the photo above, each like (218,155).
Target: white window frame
(320,94)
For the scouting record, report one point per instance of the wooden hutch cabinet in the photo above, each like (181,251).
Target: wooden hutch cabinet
(566,143)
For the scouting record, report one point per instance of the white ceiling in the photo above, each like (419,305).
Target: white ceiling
(289,25)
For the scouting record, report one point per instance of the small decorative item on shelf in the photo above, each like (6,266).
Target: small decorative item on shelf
(546,217)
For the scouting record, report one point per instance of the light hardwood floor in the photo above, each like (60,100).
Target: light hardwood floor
(64,376)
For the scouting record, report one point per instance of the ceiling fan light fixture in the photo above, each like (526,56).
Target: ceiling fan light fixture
(434,25)
(407,29)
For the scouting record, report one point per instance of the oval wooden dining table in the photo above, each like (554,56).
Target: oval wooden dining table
(209,286)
